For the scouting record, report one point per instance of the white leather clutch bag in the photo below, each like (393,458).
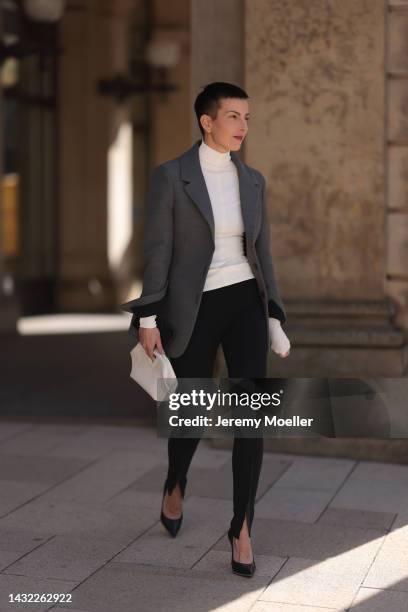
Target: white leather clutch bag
(156,376)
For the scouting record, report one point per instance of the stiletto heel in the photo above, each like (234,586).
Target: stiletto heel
(242,569)
(172,525)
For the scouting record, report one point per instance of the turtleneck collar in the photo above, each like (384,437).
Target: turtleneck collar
(213,157)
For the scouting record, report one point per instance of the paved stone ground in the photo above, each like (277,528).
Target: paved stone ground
(79,509)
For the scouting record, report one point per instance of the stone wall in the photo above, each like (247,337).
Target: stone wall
(397,157)
(315,71)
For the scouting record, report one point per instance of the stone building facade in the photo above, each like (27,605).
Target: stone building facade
(328,86)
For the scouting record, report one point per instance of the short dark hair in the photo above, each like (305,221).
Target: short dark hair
(208,100)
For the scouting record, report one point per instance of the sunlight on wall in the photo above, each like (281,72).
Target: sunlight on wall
(72,323)
(120,194)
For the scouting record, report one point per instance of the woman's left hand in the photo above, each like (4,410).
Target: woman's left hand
(279,341)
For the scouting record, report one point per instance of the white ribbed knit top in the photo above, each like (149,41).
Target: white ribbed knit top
(229,264)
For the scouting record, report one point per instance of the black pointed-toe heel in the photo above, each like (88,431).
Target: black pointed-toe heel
(242,569)
(172,525)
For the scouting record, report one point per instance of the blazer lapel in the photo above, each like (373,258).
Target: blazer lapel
(196,188)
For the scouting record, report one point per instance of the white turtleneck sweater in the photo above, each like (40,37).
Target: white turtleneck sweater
(229,265)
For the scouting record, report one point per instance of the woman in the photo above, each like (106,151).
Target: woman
(209,280)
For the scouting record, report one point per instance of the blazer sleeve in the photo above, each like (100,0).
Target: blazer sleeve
(276,308)
(157,245)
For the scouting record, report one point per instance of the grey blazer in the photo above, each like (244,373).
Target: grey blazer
(179,244)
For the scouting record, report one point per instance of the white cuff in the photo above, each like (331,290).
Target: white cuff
(279,341)
(148,322)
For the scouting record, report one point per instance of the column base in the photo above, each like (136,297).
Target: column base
(342,338)
(359,449)
(339,339)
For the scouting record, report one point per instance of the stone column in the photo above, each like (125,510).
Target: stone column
(217,46)
(94,36)
(315,74)
(397,159)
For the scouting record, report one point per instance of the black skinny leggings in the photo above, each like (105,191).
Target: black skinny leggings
(232,316)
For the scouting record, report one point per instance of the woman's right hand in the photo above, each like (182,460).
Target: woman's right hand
(150,338)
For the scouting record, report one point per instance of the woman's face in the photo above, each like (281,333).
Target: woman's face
(227,131)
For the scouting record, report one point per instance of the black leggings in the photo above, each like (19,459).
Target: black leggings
(232,316)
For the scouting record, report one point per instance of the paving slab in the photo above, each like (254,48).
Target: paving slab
(217,560)
(380,472)
(198,533)
(40,439)
(398,535)
(98,441)
(310,583)
(212,482)
(207,457)
(375,600)
(15,544)
(40,469)
(389,568)
(16,494)
(366,519)
(117,522)
(65,558)
(139,501)
(104,478)
(271,606)
(375,486)
(70,609)
(291,503)
(317,473)
(389,497)
(81,505)
(7,558)
(313,541)
(10,429)
(136,587)
(10,584)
